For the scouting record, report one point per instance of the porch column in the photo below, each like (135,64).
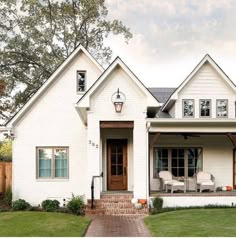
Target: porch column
(93,152)
(140,159)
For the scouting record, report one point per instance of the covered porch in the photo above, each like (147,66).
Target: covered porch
(185,147)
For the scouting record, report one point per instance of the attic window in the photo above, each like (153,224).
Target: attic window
(205,107)
(81,81)
(188,108)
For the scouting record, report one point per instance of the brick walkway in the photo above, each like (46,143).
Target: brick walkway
(114,226)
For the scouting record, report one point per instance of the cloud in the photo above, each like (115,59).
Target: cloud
(169,32)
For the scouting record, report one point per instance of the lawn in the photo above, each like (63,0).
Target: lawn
(41,224)
(193,222)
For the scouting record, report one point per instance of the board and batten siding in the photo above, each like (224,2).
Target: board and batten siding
(206,84)
(53,121)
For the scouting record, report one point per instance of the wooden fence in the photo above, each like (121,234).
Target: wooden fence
(5,176)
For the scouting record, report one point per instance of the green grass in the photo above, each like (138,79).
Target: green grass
(42,224)
(193,222)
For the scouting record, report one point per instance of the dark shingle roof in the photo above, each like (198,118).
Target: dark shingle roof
(162,94)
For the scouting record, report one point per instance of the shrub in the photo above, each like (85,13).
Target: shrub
(8,196)
(157,205)
(20,205)
(50,205)
(76,205)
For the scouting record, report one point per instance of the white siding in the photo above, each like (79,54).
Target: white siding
(53,121)
(134,109)
(206,84)
(217,156)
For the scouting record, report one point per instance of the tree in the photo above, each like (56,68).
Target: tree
(6,150)
(36,36)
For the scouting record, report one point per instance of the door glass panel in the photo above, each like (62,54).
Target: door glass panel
(113,149)
(120,159)
(119,149)
(113,159)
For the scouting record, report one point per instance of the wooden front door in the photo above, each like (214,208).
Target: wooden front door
(117,164)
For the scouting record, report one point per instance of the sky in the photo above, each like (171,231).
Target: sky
(170,37)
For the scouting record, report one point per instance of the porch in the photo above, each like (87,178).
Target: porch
(188,199)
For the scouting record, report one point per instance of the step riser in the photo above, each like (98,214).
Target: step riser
(114,204)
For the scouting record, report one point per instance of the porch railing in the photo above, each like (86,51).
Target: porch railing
(92,188)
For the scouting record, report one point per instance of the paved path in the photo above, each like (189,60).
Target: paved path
(113,226)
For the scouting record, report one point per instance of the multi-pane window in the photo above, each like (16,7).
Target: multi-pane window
(194,160)
(188,107)
(205,107)
(221,107)
(52,162)
(181,162)
(81,81)
(160,160)
(177,162)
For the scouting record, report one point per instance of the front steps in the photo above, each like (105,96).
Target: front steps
(115,204)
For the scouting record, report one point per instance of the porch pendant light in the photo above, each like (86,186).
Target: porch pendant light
(118,99)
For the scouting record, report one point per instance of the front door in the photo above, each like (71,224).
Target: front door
(117,164)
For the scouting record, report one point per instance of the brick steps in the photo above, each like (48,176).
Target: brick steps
(114,204)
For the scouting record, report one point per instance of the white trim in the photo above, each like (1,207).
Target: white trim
(208,59)
(85,101)
(50,80)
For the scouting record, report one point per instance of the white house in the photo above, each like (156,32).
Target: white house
(69,131)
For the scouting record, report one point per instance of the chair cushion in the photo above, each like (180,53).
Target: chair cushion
(175,182)
(206,183)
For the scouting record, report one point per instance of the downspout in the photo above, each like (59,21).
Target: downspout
(148,125)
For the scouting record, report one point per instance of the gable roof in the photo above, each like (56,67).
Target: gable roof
(50,80)
(84,100)
(206,58)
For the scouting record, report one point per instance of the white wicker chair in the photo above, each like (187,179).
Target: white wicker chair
(168,183)
(205,181)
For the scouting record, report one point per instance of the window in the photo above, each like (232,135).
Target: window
(81,81)
(181,162)
(205,107)
(160,160)
(188,108)
(52,162)
(221,108)
(177,162)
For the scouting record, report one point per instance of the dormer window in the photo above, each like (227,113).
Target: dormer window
(221,107)
(81,81)
(188,108)
(205,108)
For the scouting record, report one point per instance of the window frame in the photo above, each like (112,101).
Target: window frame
(183,100)
(210,114)
(227,108)
(155,174)
(53,148)
(77,81)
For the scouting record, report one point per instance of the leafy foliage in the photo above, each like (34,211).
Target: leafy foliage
(36,36)
(8,196)
(76,205)
(6,150)
(20,205)
(157,205)
(50,205)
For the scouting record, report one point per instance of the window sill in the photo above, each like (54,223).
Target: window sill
(52,180)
